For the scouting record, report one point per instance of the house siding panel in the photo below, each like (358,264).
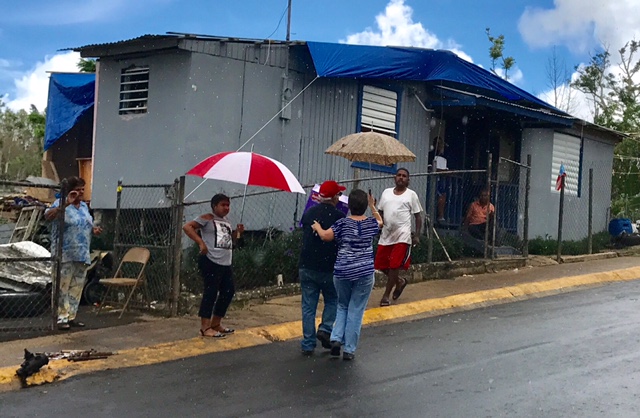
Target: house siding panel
(544,203)
(122,143)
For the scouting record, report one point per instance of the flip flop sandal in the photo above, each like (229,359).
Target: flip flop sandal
(218,334)
(398,291)
(385,302)
(224,330)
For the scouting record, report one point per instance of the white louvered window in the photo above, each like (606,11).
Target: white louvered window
(134,90)
(566,151)
(379,110)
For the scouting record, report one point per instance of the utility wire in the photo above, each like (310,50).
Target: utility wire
(279,22)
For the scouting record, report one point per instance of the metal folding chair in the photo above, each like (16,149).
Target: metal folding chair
(134,255)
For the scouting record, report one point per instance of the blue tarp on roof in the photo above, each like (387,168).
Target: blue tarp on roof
(71,95)
(416,64)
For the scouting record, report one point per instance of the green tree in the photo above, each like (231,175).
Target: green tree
(86,65)
(615,100)
(496,53)
(21,142)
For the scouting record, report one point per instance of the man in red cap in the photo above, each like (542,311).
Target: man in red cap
(316,268)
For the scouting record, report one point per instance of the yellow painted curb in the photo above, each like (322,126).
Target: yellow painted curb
(62,369)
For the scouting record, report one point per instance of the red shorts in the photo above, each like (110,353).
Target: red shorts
(394,256)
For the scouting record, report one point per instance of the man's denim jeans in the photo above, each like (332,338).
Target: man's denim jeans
(353,296)
(312,283)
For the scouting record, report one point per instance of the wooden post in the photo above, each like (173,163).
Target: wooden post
(178,214)
(560,215)
(590,233)
(55,288)
(525,229)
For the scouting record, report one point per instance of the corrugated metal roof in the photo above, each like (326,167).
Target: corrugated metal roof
(139,38)
(179,35)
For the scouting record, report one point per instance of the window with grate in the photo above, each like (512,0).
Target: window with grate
(379,110)
(378,113)
(567,152)
(134,90)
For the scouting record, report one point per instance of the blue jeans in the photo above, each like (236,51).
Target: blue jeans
(312,283)
(353,296)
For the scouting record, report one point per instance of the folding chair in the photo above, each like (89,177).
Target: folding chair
(134,255)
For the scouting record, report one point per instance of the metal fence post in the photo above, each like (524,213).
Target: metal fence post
(590,233)
(560,215)
(432,180)
(178,214)
(495,213)
(486,226)
(525,229)
(55,286)
(116,229)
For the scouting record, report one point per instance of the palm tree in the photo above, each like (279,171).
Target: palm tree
(86,65)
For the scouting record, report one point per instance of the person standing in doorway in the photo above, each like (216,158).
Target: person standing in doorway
(353,272)
(317,259)
(212,232)
(397,206)
(76,242)
(440,164)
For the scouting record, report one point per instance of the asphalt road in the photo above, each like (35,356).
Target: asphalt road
(571,355)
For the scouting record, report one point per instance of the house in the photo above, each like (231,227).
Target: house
(165,102)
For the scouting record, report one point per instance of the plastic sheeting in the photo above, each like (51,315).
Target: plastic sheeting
(71,95)
(416,64)
(24,275)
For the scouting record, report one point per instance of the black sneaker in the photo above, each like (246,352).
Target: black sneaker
(307,353)
(348,356)
(325,339)
(335,349)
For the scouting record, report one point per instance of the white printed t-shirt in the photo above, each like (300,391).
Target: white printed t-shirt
(216,234)
(398,211)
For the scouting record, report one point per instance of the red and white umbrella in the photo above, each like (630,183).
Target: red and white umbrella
(247,168)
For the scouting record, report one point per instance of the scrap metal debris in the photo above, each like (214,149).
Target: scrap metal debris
(79,355)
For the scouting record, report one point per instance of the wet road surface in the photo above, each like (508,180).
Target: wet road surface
(575,354)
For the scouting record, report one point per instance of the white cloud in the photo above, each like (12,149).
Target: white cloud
(570,100)
(395,27)
(515,75)
(32,87)
(581,25)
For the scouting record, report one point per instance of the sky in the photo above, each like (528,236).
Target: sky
(35,33)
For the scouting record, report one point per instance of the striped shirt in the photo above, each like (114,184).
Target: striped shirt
(355,247)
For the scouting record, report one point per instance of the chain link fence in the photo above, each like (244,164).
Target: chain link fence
(29,273)
(148,216)
(584,194)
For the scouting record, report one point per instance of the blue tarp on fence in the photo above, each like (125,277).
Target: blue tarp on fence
(71,95)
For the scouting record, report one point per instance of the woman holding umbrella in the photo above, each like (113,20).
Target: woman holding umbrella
(353,271)
(212,232)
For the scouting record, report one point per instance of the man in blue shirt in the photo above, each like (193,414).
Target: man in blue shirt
(317,259)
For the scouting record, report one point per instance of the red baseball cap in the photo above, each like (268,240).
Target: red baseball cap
(330,188)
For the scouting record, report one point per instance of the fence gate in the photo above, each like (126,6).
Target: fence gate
(510,196)
(148,215)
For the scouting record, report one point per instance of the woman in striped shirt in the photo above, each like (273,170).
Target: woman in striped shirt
(353,271)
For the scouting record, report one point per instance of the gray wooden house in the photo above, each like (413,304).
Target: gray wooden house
(165,102)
